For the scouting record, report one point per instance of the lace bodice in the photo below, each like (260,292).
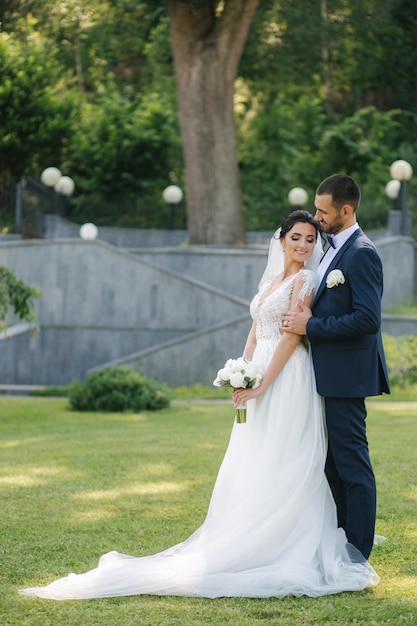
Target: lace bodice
(267,309)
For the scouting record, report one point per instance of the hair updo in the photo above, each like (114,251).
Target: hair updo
(294,218)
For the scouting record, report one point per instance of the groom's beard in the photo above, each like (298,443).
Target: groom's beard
(333,227)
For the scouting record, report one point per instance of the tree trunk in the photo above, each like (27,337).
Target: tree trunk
(207,48)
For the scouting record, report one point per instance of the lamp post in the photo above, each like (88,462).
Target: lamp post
(52,177)
(297,197)
(396,189)
(172,196)
(19,206)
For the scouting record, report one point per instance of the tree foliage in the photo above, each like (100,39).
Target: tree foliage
(16,296)
(124,150)
(35,109)
(307,145)
(322,86)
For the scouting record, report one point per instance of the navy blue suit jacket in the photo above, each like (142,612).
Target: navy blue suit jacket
(345,330)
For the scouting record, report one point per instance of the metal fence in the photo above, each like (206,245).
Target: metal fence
(7,205)
(24,205)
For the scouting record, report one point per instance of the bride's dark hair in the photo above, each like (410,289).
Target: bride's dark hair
(298,216)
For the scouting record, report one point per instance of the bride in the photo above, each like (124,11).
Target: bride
(271,527)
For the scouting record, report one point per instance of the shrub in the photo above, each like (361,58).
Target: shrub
(54,391)
(118,389)
(401,355)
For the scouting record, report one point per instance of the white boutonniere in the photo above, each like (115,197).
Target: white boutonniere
(334,278)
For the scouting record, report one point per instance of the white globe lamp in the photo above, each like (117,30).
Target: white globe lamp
(401,170)
(65,185)
(172,194)
(392,189)
(88,231)
(50,176)
(297,197)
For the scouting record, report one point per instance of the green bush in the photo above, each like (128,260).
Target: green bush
(401,356)
(53,391)
(118,389)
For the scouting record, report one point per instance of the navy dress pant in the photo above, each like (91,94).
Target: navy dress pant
(349,470)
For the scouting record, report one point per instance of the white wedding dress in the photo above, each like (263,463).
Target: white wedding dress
(271,525)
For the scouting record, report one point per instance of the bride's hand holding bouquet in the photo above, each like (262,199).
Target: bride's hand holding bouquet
(239,374)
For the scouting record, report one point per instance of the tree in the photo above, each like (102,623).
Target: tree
(75,72)
(207,41)
(34,111)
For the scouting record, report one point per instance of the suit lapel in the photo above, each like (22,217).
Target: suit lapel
(335,261)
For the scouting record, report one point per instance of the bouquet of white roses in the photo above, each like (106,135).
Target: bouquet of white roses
(239,374)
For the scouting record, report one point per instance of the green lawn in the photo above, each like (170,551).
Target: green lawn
(74,486)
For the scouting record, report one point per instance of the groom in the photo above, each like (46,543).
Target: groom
(343,327)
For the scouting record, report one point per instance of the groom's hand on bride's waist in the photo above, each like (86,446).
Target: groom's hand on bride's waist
(295,321)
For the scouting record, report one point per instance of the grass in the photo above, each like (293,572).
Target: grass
(183,393)
(76,485)
(401,393)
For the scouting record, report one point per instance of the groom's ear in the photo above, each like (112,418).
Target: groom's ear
(347,211)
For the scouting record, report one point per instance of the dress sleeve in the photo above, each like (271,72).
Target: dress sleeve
(309,283)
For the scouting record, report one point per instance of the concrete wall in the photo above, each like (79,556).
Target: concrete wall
(233,270)
(398,325)
(398,259)
(239,269)
(174,313)
(216,265)
(193,358)
(100,304)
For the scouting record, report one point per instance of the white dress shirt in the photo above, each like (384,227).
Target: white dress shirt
(338,241)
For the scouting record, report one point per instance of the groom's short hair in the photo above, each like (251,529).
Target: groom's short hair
(342,188)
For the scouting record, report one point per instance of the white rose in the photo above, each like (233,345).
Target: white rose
(239,364)
(237,380)
(334,278)
(251,371)
(258,381)
(225,373)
